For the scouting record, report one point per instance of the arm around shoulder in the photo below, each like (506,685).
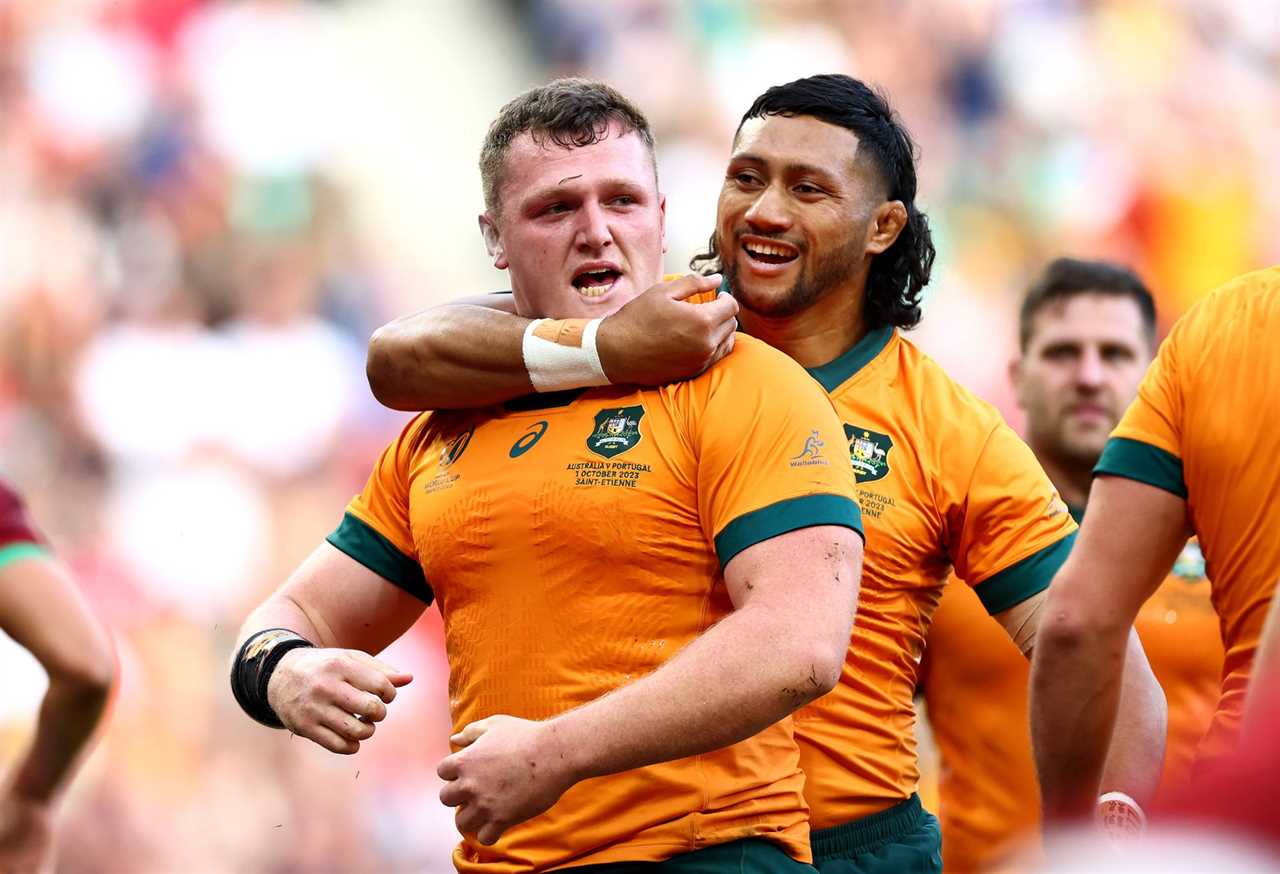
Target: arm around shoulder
(454,356)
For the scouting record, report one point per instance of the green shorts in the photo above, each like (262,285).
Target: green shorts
(903,839)
(751,856)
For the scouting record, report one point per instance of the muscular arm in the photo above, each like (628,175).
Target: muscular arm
(1136,753)
(783,646)
(43,611)
(469,353)
(462,354)
(1088,664)
(334,601)
(349,613)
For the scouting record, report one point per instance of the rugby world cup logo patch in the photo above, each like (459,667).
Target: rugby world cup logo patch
(617,430)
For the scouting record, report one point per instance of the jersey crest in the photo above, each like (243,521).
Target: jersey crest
(869,452)
(617,430)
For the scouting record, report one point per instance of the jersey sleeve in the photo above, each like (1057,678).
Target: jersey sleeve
(18,537)
(375,528)
(771,454)
(1011,530)
(1146,445)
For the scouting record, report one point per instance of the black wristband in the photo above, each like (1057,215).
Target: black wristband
(251,671)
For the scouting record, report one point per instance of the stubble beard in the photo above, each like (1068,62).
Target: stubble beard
(1077,449)
(811,285)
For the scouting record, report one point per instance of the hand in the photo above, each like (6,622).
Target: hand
(660,337)
(505,773)
(333,696)
(26,835)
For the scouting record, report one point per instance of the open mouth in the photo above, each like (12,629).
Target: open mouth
(596,281)
(768,252)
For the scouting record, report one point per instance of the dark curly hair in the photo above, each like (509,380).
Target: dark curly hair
(898,275)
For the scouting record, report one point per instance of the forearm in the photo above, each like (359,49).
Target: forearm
(1136,755)
(450,357)
(282,611)
(715,692)
(1076,680)
(71,711)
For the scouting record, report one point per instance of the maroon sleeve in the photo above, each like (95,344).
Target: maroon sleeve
(15,525)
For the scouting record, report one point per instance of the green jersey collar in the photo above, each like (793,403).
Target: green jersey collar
(834,373)
(543,400)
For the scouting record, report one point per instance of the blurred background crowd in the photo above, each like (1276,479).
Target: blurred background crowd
(206,207)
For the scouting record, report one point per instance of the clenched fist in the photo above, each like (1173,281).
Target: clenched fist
(333,696)
(507,771)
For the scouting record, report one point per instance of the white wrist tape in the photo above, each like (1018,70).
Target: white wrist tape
(1119,817)
(561,354)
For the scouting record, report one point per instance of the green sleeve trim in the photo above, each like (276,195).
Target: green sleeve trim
(18,551)
(1135,460)
(791,514)
(1018,582)
(380,555)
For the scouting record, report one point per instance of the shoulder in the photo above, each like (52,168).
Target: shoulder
(1250,301)
(751,352)
(757,363)
(952,408)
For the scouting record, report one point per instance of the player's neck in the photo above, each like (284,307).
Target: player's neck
(1070,478)
(815,336)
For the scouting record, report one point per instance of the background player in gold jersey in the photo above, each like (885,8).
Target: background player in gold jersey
(43,611)
(631,580)
(1087,334)
(825,251)
(1197,451)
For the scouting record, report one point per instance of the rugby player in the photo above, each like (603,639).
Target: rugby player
(827,254)
(44,612)
(1087,334)
(631,580)
(1196,452)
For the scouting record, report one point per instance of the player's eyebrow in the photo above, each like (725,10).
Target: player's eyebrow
(628,186)
(790,168)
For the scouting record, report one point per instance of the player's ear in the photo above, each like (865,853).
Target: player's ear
(889,220)
(662,218)
(493,241)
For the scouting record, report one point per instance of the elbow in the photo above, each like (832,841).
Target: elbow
(379,367)
(816,670)
(90,677)
(1067,630)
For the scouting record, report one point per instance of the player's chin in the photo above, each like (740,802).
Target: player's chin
(765,298)
(1086,442)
